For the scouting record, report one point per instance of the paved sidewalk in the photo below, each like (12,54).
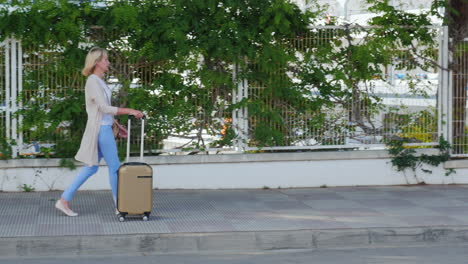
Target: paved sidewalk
(193,220)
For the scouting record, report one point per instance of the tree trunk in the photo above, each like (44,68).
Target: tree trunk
(457,15)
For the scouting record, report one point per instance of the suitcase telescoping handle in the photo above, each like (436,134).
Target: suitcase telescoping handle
(142,137)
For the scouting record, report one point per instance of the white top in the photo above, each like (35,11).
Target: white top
(107,119)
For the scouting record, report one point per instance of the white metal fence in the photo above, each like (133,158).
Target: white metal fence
(457,106)
(413,104)
(397,104)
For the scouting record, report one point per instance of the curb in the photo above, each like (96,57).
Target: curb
(226,241)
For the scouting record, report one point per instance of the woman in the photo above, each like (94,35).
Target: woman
(98,139)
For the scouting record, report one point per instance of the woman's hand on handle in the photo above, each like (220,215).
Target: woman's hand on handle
(137,114)
(129,111)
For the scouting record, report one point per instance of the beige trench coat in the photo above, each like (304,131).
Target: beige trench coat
(96,105)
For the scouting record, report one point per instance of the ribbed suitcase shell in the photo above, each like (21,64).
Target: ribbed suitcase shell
(135,189)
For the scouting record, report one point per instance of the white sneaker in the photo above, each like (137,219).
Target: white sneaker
(117,212)
(59,205)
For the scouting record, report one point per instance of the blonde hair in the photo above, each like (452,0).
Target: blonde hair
(94,56)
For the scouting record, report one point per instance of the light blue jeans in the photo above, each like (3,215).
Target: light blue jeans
(107,149)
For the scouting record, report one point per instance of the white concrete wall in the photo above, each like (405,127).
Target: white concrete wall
(314,169)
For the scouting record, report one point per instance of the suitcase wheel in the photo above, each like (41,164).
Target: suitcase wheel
(146,216)
(121,217)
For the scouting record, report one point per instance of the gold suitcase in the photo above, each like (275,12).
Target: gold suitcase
(135,185)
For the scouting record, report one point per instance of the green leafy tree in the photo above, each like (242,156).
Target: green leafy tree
(182,52)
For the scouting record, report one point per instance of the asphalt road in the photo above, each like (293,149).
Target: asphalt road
(427,254)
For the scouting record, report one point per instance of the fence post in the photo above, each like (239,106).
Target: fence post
(14,91)
(20,91)
(234,101)
(246,113)
(13,88)
(240,115)
(448,87)
(7,90)
(444,89)
(440,101)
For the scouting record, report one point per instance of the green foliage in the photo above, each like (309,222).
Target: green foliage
(404,157)
(408,33)
(26,188)
(67,163)
(60,119)
(6,148)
